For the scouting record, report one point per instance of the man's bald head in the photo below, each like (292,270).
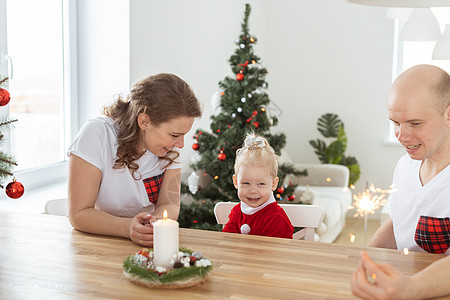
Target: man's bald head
(425,80)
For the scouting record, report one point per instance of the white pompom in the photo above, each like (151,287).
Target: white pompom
(245,229)
(193,182)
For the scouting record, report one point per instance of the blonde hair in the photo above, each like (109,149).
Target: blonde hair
(162,97)
(256,151)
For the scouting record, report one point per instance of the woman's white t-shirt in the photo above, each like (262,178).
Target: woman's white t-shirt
(119,193)
(420,213)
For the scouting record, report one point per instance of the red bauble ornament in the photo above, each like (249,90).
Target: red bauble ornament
(240,76)
(14,189)
(280,190)
(256,123)
(4,97)
(291,198)
(195,146)
(221,156)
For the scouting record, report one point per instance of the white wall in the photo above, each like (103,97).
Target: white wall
(193,39)
(323,56)
(103,54)
(333,56)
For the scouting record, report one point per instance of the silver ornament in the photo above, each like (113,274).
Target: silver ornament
(215,100)
(196,157)
(193,182)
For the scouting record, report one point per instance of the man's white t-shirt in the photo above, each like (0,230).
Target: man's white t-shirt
(119,193)
(421,214)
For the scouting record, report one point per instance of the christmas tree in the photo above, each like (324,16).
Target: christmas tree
(14,189)
(244,107)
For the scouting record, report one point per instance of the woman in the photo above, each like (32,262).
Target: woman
(124,168)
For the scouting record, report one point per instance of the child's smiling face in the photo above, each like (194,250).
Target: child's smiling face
(254,185)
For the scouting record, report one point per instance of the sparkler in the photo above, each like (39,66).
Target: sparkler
(368,202)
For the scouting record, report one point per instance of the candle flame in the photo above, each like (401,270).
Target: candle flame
(165,215)
(406,251)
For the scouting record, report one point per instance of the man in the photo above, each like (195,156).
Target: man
(419,107)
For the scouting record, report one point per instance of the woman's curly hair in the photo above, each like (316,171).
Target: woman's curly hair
(162,97)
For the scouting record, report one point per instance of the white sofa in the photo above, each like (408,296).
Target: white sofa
(328,185)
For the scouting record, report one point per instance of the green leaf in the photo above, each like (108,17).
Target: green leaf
(334,152)
(341,135)
(320,149)
(328,125)
(354,173)
(352,164)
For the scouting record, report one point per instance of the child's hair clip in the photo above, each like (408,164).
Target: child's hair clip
(253,143)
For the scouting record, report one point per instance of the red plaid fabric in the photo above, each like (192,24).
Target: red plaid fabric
(433,234)
(152,186)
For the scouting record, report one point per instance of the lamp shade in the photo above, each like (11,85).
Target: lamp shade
(421,26)
(442,48)
(403,3)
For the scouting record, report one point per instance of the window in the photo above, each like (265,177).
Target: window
(410,53)
(37,45)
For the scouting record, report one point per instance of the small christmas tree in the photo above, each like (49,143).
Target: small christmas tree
(244,108)
(14,189)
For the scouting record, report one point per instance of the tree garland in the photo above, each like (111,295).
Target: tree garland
(187,265)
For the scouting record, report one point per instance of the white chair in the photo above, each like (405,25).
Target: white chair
(56,207)
(308,216)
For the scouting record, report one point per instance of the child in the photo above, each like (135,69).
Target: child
(255,178)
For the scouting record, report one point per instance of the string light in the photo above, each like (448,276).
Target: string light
(352,237)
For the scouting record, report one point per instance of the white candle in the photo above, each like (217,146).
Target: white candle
(165,240)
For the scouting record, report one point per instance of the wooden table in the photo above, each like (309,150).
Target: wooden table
(43,257)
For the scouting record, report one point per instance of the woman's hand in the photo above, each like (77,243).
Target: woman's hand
(141,229)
